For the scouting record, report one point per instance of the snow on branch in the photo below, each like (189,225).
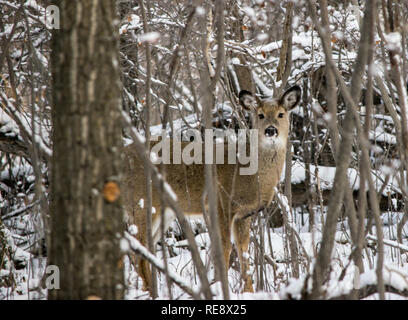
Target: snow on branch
(394,282)
(366,285)
(138,248)
(23,125)
(10,138)
(390,243)
(19,211)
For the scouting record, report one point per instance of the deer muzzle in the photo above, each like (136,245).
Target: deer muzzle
(271,131)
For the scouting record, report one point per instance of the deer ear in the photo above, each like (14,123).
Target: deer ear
(248,100)
(291,98)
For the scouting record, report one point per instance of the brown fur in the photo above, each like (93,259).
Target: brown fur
(238,195)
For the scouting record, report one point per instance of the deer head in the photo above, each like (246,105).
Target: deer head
(271,117)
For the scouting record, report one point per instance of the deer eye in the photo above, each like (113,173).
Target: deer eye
(280,115)
(261,116)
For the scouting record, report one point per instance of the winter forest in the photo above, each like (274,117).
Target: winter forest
(94,205)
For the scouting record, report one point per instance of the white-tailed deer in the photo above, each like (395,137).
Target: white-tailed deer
(238,195)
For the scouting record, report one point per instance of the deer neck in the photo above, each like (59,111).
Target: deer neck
(271,161)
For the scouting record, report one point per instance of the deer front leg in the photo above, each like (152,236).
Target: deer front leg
(143,269)
(241,229)
(225,228)
(142,265)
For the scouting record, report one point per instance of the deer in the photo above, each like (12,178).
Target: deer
(238,195)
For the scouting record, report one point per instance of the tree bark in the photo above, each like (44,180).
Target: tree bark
(86,214)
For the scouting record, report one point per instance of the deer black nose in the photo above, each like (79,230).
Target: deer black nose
(271,131)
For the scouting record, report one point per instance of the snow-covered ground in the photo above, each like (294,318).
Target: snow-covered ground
(278,279)
(277,274)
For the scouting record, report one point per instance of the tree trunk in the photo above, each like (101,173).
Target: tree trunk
(86,214)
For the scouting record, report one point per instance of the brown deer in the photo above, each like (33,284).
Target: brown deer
(238,195)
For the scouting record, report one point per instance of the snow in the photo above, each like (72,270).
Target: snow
(136,245)
(301,39)
(326,176)
(153,157)
(250,12)
(124,245)
(262,36)
(317,107)
(382,136)
(133,229)
(24,169)
(200,11)
(33,4)
(235,60)
(393,41)
(393,277)
(170,191)
(150,37)
(137,134)
(390,243)
(25,124)
(8,125)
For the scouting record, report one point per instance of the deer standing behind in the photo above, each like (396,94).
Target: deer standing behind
(237,195)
